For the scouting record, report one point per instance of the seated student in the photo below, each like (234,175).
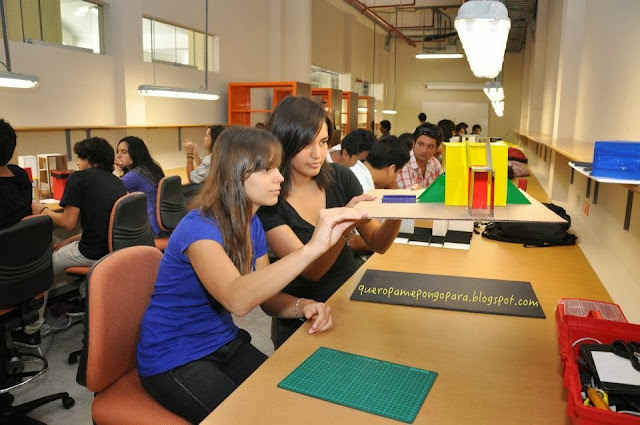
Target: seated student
(310,185)
(385,128)
(423,168)
(461,128)
(15,187)
(422,117)
(191,355)
(355,146)
(448,129)
(406,139)
(476,129)
(198,174)
(89,194)
(141,174)
(381,167)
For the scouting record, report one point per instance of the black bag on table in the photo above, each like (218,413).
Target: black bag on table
(533,234)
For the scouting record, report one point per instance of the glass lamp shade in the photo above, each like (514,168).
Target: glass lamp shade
(498,107)
(494,91)
(483,27)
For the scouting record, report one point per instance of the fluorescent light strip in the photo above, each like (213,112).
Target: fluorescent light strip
(439,56)
(175,92)
(363,109)
(389,111)
(18,81)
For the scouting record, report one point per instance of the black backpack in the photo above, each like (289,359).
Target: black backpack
(533,234)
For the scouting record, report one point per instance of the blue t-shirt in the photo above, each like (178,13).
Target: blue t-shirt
(184,322)
(134,182)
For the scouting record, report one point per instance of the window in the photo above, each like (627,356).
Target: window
(74,23)
(324,78)
(363,88)
(82,25)
(177,45)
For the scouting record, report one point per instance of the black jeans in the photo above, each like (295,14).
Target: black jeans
(193,390)
(282,329)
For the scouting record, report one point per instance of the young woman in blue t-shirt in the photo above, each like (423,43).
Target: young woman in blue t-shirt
(191,356)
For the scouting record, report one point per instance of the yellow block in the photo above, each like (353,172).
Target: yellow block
(456,168)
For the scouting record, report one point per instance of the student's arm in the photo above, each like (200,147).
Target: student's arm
(67,219)
(283,306)
(379,236)
(282,240)
(241,293)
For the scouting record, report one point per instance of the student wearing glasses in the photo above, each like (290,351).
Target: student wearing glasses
(423,167)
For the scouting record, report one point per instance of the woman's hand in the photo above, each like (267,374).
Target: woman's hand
(189,146)
(364,197)
(320,313)
(332,222)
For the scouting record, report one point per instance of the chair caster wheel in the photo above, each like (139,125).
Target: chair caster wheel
(68,402)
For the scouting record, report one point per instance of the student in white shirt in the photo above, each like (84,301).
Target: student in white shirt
(380,169)
(354,147)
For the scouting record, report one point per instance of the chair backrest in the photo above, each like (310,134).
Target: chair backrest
(170,204)
(129,223)
(116,302)
(26,269)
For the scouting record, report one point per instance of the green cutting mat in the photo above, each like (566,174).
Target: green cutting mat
(375,386)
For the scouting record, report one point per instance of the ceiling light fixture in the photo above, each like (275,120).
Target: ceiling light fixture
(177,92)
(483,27)
(12,79)
(494,90)
(434,55)
(363,109)
(498,107)
(18,81)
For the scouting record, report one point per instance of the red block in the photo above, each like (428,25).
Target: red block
(59,181)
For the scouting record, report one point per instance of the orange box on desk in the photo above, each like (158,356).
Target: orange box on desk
(59,180)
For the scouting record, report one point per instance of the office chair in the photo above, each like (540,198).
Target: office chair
(116,302)
(170,207)
(26,272)
(128,226)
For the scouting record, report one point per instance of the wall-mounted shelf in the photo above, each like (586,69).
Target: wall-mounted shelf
(252,102)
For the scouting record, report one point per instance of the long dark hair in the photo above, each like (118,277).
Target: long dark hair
(238,152)
(295,122)
(141,160)
(215,130)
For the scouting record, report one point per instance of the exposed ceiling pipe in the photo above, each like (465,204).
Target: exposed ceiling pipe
(393,5)
(366,11)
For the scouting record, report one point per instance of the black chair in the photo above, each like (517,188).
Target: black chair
(128,226)
(170,207)
(26,272)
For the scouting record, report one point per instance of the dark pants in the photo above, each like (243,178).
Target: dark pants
(193,390)
(282,329)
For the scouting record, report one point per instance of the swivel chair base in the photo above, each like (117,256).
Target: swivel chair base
(17,414)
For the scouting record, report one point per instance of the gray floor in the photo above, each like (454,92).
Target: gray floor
(60,376)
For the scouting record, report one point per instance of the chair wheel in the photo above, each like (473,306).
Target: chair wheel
(68,402)
(73,358)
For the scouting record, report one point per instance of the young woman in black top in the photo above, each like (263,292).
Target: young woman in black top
(310,184)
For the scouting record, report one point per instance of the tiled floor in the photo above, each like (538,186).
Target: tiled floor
(61,376)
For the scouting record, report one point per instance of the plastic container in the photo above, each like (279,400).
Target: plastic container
(582,325)
(59,180)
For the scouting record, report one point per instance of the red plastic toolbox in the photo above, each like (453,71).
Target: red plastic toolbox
(574,329)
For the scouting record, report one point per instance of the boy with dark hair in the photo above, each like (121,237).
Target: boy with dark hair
(423,167)
(461,128)
(15,187)
(422,117)
(381,167)
(385,128)
(89,195)
(355,146)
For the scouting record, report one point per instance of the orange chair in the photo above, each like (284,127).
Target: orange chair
(170,207)
(116,302)
(128,226)
(26,272)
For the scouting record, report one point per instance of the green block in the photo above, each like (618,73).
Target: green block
(514,196)
(375,386)
(435,191)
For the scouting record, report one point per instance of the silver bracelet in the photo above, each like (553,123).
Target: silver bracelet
(298,315)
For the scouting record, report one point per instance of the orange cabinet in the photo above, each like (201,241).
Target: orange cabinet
(253,102)
(366,111)
(349,121)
